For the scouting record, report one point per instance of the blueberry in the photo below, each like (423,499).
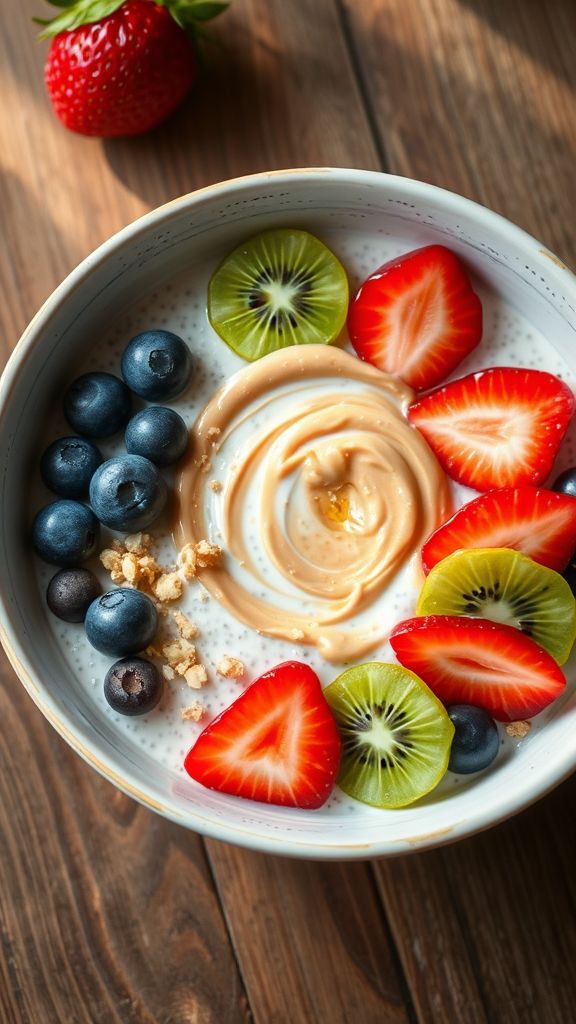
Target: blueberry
(65,533)
(158,433)
(157,365)
(98,405)
(566,482)
(121,622)
(133,686)
(68,465)
(127,493)
(476,740)
(71,592)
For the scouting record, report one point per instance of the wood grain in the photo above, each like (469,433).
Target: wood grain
(477,96)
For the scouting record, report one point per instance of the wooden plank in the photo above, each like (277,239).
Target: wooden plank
(108,913)
(480,97)
(310,939)
(477,96)
(485,929)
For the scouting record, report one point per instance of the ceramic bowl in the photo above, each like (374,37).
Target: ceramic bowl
(513,265)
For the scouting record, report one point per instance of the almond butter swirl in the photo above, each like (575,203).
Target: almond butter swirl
(342,487)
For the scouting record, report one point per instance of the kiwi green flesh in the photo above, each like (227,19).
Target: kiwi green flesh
(280,288)
(505,586)
(396,735)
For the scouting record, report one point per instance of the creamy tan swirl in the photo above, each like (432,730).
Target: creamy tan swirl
(346,489)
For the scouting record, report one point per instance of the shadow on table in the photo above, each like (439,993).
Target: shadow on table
(534,27)
(220,131)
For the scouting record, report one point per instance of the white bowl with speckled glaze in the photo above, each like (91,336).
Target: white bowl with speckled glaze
(519,272)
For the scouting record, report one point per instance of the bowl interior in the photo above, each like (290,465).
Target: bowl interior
(189,236)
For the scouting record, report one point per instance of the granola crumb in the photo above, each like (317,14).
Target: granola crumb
(213,433)
(138,543)
(230,668)
(194,712)
(207,554)
(518,730)
(185,627)
(168,672)
(129,566)
(168,587)
(152,652)
(196,676)
(187,560)
(177,651)
(117,546)
(215,486)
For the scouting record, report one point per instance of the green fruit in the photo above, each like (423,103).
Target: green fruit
(505,586)
(396,735)
(279,288)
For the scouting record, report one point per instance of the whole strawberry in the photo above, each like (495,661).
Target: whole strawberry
(119,67)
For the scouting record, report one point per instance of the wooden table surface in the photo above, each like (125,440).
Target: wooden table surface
(108,913)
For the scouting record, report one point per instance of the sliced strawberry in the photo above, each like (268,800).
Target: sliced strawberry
(417,316)
(277,742)
(475,661)
(500,427)
(539,523)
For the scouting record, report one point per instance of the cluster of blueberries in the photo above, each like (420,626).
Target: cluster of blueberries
(125,493)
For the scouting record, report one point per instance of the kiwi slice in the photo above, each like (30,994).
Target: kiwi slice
(279,288)
(396,735)
(505,586)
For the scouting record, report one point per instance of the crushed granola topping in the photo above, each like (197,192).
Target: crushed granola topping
(185,627)
(194,712)
(518,730)
(230,668)
(187,561)
(213,433)
(215,486)
(168,587)
(207,555)
(196,676)
(168,672)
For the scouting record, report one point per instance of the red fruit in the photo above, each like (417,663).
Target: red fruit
(539,523)
(475,661)
(277,742)
(121,74)
(417,316)
(500,427)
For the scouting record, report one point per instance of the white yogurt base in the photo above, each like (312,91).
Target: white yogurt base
(180,306)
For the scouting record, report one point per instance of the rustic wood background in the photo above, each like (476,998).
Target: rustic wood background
(108,913)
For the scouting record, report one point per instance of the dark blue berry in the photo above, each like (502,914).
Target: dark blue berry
(158,433)
(127,493)
(157,365)
(133,686)
(98,405)
(121,622)
(566,482)
(71,592)
(68,465)
(476,739)
(65,533)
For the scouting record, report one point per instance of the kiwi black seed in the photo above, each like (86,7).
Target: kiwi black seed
(279,288)
(505,586)
(396,735)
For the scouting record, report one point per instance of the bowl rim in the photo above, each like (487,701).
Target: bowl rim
(63,721)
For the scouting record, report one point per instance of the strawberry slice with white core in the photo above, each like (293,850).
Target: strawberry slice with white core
(500,427)
(539,523)
(475,661)
(277,743)
(417,316)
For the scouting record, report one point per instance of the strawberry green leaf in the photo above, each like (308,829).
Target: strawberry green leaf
(187,12)
(77,13)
